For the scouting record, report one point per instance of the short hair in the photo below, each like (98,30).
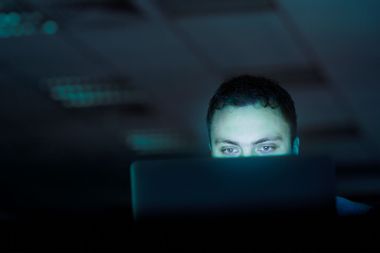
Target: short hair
(248,90)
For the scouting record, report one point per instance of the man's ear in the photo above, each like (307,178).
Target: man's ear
(296,146)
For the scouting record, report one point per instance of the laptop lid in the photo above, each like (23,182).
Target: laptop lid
(214,187)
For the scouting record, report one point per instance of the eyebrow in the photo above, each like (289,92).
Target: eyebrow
(275,138)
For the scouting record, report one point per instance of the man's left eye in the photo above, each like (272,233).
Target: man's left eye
(266,149)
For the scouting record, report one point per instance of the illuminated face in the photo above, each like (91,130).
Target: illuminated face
(251,130)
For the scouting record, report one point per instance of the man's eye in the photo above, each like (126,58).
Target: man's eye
(230,150)
(267,148)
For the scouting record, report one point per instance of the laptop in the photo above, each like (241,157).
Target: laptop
(209,187)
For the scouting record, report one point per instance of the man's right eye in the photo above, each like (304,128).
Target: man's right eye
(229,150)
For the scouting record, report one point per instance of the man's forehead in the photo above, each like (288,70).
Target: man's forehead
(252,122)
(250,116)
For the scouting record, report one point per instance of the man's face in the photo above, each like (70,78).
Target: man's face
(251,130)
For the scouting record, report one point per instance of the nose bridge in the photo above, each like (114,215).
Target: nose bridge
(246,151)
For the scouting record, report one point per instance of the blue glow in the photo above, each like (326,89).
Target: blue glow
(69,88)
(50,27)
(5,32)
(81,99)
(72,96)
(143,141)
(12,18)
(59,92)
(153,142)
(16,24)
(79,92)
(86,98)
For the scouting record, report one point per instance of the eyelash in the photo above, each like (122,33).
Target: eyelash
(272,148)
(223,149)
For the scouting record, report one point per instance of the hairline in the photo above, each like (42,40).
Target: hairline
(210,119)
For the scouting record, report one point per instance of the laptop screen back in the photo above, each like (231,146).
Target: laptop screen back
(211,187)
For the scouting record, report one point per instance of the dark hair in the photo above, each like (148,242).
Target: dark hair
(248,90)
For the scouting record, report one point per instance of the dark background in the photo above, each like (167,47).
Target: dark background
(87,86)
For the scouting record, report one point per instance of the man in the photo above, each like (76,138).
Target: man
(254,116)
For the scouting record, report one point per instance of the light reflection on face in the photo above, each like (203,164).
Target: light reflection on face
(251,130)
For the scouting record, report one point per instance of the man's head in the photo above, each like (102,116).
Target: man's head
(252,116)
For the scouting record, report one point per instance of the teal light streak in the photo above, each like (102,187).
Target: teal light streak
(59,92)
(13,18)
(50,27)
(152,142)
(72,96)
(143,142)
(5,32)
